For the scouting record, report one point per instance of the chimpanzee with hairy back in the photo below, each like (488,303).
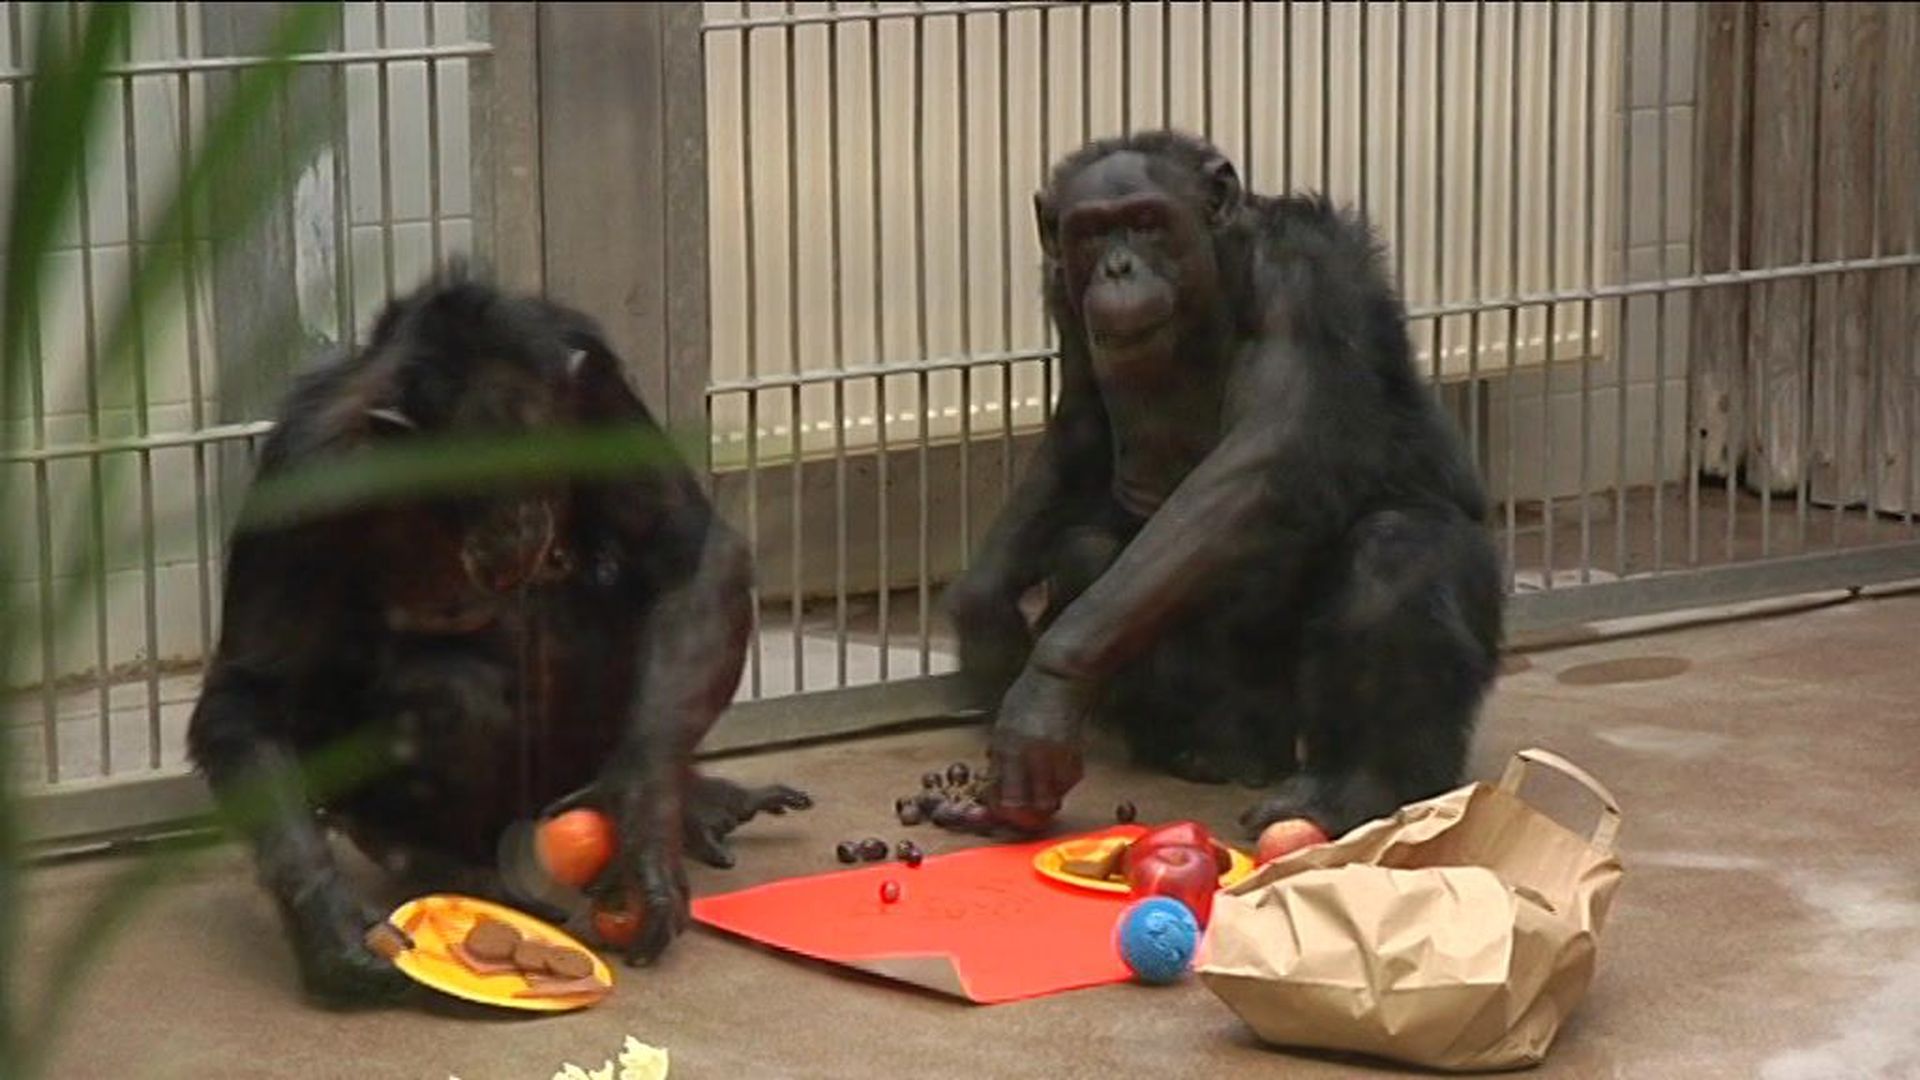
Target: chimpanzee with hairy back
(1262,541)
(537,645)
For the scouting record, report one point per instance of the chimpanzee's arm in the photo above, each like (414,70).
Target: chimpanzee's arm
(691,644)
(1279,481)
(1071,468)
(279,614)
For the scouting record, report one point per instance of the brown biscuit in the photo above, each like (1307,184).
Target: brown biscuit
(569,963)
(492,941)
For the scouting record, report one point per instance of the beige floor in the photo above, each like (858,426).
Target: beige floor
(1769,924)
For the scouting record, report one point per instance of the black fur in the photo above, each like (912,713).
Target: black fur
(497,665)
(1316,573)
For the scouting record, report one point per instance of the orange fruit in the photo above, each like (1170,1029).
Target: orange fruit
(617,929)
(575,846)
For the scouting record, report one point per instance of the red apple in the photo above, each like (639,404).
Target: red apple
(1288,836)
(1188,834)
(1186,874)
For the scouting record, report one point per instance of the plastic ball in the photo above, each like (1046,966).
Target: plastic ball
(1158,937)
(574,847)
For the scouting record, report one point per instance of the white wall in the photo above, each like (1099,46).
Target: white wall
(179,346)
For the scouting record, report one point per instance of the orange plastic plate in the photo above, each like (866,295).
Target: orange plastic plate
(436,922)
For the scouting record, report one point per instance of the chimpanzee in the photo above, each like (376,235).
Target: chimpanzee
(506,651)
(1262,541)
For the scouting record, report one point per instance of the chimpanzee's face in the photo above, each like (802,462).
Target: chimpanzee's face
(1133,250)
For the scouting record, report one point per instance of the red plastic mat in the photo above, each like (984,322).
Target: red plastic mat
(981,925)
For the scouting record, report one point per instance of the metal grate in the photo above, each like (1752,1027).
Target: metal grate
(1537,170)
(105,700)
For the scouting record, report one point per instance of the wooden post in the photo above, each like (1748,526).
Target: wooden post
(623,189)
(1719,352)
(1785,88)
(1895,339)
(1850,95)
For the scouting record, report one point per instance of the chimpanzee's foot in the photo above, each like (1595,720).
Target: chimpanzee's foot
(716,807)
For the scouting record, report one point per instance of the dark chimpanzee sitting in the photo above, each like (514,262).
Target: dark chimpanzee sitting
(504,651)
(1261,538)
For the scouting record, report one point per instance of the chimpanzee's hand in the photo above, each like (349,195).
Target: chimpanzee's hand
(1035,749)
(647,877)
(328,925)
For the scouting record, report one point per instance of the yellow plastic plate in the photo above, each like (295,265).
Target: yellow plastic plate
(1051,862)
(435,922)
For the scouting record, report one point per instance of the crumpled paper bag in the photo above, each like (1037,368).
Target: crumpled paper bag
(1457,934)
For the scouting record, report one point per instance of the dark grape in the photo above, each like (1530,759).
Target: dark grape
(873,849)
(930,801)
(910,813)
(909,852)
(957,774)
(846,851)
(931,781)
(1125,813)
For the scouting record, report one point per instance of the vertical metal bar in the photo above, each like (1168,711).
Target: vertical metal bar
(1871,463)
(1362,109)
(1247,157)
(1126,67)
(795,458)
(836,313)
(751,328)
(1206,71)
(963,237)
(1477,211)
(1438,337)
(1166,62)
(383,77)
(96,480)
(1660,319)
(433,139)
(1285,70)
(142,420)
(190,286)
(882,461)
(921,403)
(1736,226)
(1513,279)
(1626,241)
(42,494)
(1552,193)
(1589,109)
(347,303)
(1326,99)
(1045,156)
(1809,230)
(1402,234)
(1006,249)
(1086,71)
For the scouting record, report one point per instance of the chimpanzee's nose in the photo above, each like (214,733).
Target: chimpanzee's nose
(1119,264)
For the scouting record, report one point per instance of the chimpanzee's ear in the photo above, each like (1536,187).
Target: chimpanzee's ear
(1223,190)
(1047,221)
(390,421)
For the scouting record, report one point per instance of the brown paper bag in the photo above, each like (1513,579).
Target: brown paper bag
(1457,934)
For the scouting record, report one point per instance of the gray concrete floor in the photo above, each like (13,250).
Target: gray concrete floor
(1768,924)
